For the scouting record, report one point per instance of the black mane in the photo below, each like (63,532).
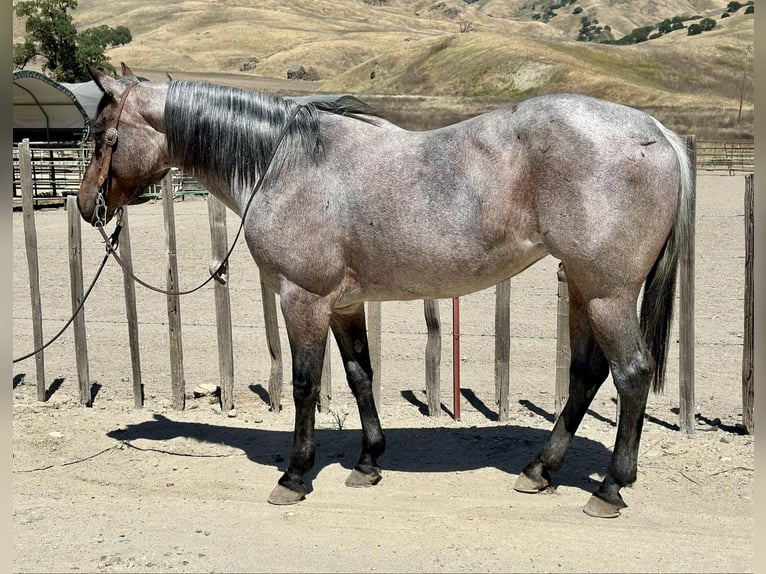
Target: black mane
(233,131)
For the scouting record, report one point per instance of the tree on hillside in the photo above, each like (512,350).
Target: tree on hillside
(50,34)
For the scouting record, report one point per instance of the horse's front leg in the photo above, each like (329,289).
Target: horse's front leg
(306,321)
(350,330)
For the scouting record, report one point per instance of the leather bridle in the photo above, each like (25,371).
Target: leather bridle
(113,241)
(103,175)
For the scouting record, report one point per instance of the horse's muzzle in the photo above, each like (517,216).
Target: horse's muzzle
(92,205)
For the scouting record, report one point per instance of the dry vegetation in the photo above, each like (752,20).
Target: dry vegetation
(413,49)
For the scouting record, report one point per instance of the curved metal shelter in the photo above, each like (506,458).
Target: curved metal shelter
(51,112)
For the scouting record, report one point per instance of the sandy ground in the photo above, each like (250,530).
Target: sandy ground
(111,488)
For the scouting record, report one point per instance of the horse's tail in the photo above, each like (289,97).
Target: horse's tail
(659,288)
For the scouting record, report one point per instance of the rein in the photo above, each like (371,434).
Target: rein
(113,241)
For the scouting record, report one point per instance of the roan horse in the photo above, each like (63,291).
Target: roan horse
(354,209)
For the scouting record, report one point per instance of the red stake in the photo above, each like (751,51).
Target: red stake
(456,358)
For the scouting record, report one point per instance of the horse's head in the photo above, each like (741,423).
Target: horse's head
(130,147)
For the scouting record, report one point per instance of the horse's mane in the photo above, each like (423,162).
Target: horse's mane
(233,130)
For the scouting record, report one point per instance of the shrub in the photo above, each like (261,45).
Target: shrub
(637,35)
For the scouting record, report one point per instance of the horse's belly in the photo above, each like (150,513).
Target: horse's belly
(441,274)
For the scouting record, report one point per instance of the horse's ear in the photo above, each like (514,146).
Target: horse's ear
(127,74)
(107,83)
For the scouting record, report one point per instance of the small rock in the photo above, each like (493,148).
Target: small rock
(726,438)
(205,390)
(250,65)
(55,434)
(296,72)
(232,413)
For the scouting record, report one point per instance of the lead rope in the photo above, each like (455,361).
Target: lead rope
(223,263)
(113,241)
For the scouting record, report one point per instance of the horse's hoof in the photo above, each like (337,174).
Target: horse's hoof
(600,508)
(526,484)
(359,479)
(281,495)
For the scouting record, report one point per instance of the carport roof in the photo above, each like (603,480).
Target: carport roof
(49,111)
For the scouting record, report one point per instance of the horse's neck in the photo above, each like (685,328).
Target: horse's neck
(227,161)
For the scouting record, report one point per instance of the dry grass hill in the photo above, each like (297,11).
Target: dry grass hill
(428,62)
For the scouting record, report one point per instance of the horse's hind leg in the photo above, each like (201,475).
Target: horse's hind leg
(350,332)
(616,327)
(306,321)
(588,370)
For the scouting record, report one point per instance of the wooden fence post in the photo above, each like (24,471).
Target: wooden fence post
(174,303)
(374,340)
(219,246)
(502,347)
(456,358)
(433,356)
(30,238)
(563,351)
(748,420)
(686,311)
(129,287)
(325,383)
(76,288)
(269,301)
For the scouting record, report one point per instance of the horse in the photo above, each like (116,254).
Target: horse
(340,206)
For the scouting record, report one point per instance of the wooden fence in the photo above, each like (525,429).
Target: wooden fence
(56,172)
(217,218)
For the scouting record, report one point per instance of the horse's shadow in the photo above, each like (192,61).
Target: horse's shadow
(508,448)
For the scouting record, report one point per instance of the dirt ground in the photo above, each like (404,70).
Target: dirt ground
(112,488)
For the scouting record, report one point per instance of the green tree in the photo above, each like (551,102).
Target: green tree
(50,34)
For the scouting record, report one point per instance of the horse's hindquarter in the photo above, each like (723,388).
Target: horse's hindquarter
(605,183)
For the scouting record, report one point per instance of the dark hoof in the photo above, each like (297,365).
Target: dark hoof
(359,479)
(600,508)
(530,485)
(281,495)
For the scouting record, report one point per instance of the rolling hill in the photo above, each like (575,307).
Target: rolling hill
(446,59)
